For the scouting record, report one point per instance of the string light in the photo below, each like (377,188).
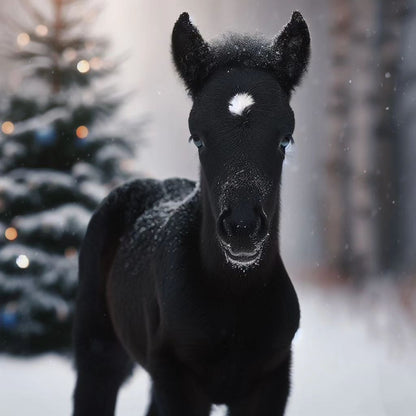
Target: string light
(22,261)
(70,252)
(11,307)
(83,66)
(82,132)
(128,165)
(9,315)
(23,39)
(96,63)
(70,54)
(89,45)
(10,233)
(7,127)
(41,30)
(62,312)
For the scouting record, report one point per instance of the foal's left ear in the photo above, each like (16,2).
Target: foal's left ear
(191,54)
(291,51)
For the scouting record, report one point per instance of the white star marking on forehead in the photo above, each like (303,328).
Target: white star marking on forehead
(240,102)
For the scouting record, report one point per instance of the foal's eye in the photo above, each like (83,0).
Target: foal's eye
(197,141)
(286,141)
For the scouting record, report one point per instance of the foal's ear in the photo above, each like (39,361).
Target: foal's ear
(191,54)
(291,51)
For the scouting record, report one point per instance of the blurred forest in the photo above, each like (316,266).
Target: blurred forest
(370,181)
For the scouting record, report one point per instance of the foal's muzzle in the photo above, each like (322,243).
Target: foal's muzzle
(242,230)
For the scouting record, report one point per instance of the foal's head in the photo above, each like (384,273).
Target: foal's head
(241,122)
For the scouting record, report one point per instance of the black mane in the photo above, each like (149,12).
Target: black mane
(242,51)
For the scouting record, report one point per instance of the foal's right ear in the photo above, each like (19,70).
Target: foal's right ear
(191,54)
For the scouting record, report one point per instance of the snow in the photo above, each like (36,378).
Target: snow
(43,184)
(84,171)
(354,356)
(44,385)
(37,178)
(246,261)
(255,183)
(175,199)
(93,190)
(68,218)
(346,364)
(10,252)
(12,189)
(12,149)
(110,153)
(168,208)
(243,264)
(41,121)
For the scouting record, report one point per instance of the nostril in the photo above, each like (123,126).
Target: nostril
(242,222)
(224,229)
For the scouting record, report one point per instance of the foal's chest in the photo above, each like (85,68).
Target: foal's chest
(230,345)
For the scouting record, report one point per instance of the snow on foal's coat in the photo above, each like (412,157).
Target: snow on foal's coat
(187,280)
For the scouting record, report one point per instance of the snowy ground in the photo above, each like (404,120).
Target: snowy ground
(354,356)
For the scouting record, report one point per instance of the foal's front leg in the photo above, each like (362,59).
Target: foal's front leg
(175,392)
(269,397)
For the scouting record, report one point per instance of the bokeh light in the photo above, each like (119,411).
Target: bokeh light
(96,63)
(82,132)
(128,165)
(23,39)
(62,312)
(83,66)
(8,316)
(10,233)
(90,45)
(41,30)
(70,54)
(22,261)
(7,127)
(70,252)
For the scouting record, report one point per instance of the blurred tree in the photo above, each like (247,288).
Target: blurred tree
(363,164)
(406,146)
(61,151)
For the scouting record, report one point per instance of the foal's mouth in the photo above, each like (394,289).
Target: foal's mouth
(241,258)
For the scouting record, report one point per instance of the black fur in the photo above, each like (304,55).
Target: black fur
(287,56)
(191,54)
(188,281)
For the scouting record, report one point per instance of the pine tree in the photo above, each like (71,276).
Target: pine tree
(61,151)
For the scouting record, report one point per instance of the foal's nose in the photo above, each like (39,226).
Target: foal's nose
(242,222)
